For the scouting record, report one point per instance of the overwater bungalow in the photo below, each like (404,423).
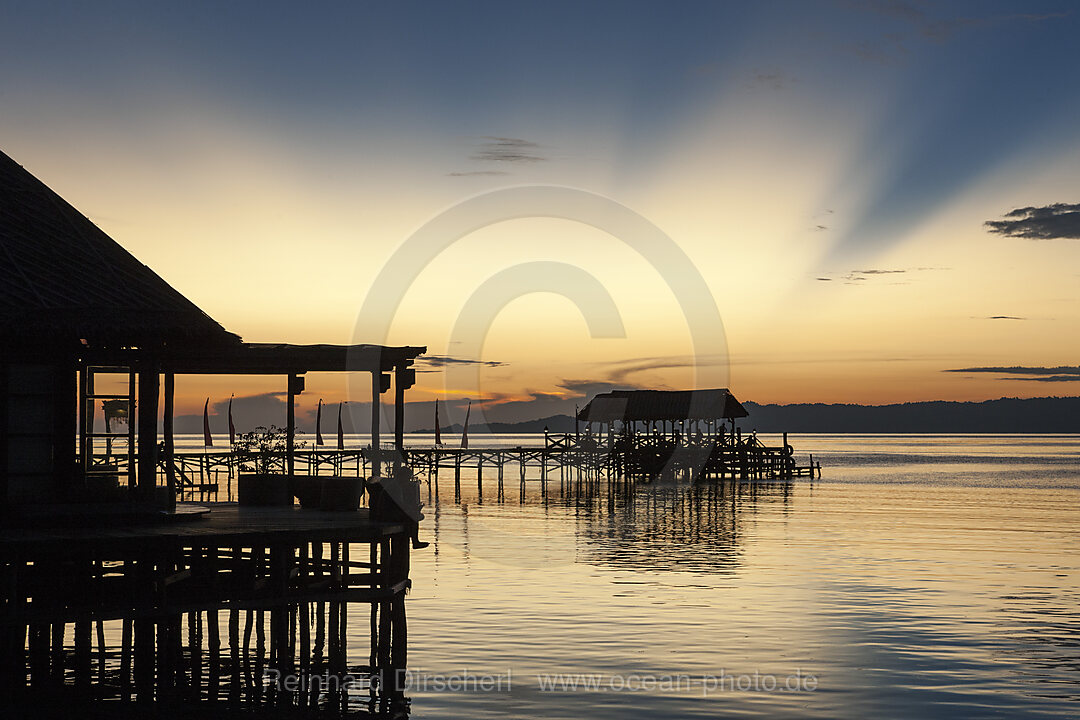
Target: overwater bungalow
(92,534)
(650,433)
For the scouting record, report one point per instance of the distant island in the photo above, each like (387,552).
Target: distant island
(1005,415)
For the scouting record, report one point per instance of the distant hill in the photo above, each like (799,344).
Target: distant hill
(1005,415)
(554,423)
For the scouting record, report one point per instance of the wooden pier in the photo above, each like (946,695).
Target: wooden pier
(560,458)
(238,606)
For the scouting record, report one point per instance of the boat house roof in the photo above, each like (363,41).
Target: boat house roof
(645,405)
(64,280)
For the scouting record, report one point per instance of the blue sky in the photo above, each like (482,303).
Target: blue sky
(836,136)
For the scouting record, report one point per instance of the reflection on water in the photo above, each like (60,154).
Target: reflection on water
(672,528)
(922,577)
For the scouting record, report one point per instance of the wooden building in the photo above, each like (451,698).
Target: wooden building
(654,433)
(73,305)
(685,409)
(89,538)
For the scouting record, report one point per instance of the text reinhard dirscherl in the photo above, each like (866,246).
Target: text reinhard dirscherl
(467,681)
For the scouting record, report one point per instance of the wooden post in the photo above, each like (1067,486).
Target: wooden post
(167,429)
(400,382)
(399,634)
(457,474)
(376,390)
(234,633)
(86,421)
(82,656)
(383,655)
(521,468)
(148,407)
(213,650)
(304,574)
(295,385)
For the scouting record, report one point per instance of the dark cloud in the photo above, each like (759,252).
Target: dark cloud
(590,388)
(1059,220)
(825,279)
(1061,373)
(508,150)
(441,361)
(877,272)
(1004,317)
(819,228)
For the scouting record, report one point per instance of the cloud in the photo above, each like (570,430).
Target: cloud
(591,388)
(769,79)
(533,404)
(1004,317)
(617,372)
(914,22)
(858,276)
(441,361)
(1061,373)
(941,29)
(854,277)
(471,173)
(1059,220)
(886,50)
(508,150)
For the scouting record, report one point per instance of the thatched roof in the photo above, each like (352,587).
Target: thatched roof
(62,279)
(638,405)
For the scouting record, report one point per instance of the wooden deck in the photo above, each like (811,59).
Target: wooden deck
(204,525)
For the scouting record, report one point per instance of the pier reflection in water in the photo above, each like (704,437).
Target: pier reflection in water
(223,614)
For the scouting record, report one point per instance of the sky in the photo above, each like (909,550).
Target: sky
(859,202)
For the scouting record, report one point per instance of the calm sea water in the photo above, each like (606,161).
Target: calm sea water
(922,576)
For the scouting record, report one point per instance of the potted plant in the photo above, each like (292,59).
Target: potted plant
(262,479)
